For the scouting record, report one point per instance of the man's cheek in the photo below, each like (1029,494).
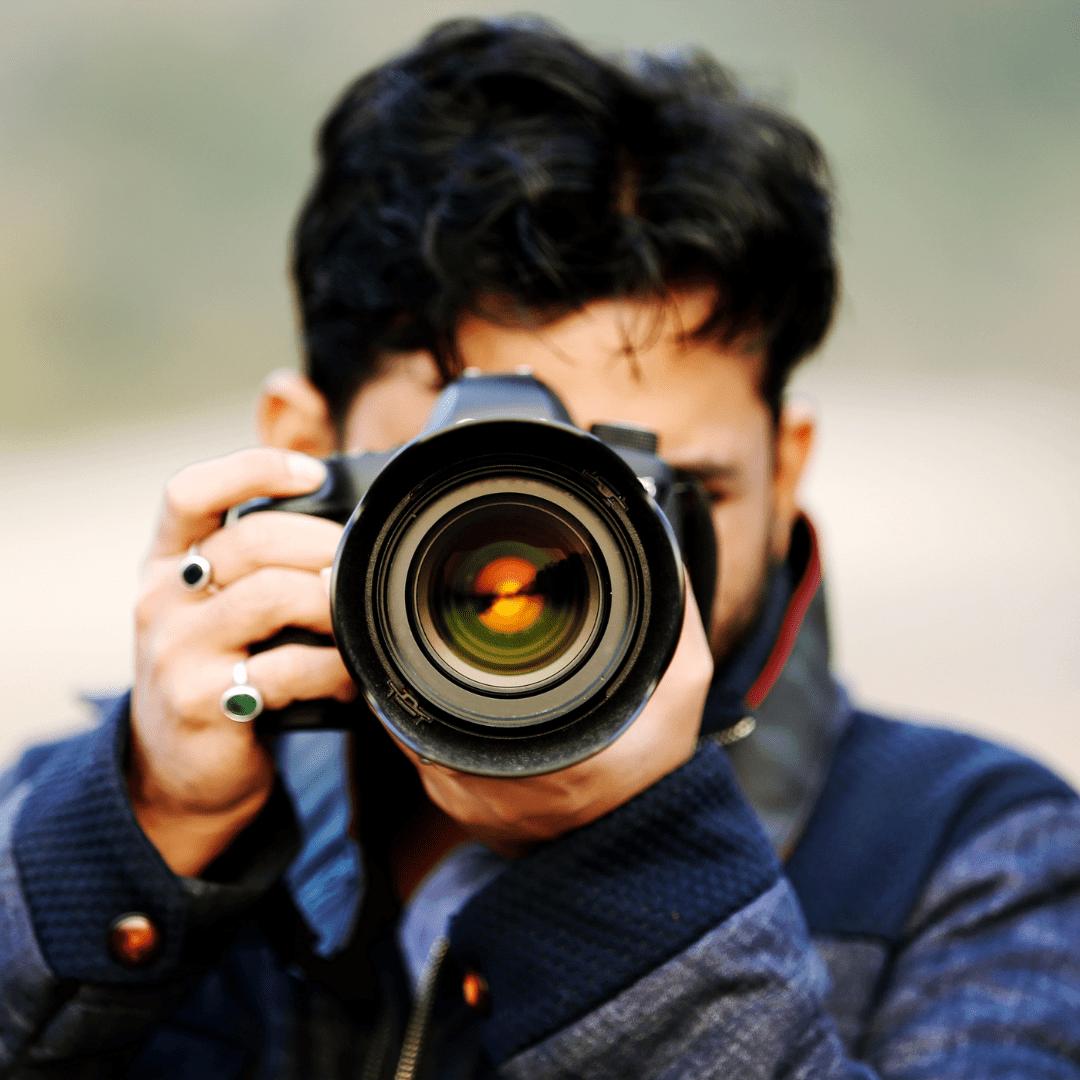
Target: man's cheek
(742,536)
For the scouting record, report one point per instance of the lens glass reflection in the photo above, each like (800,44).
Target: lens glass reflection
(508,590)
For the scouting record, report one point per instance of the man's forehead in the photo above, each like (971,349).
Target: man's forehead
(602,333)
(629,360)
(638,362)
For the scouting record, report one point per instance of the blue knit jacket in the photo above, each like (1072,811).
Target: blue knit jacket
(831,894)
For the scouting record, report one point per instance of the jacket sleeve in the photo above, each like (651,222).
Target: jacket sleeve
(72,860)
(681,951)
(988,981)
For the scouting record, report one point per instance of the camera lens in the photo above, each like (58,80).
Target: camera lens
(507,598)
(508,593)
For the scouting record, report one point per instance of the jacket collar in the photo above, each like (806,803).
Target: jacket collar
(774,703)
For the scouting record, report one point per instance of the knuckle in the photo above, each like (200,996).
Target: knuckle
(275,678)
(252,600)
(254,538)
(167,649)
(180,494)
(186,699)
(168,635)
(296,672)
(281,668)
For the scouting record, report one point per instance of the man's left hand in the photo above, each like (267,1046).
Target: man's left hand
(512,815)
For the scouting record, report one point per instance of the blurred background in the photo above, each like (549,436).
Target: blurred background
(154,155)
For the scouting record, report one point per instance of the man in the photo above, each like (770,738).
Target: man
(754,880)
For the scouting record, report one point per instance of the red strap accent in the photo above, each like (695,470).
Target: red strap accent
(789,629)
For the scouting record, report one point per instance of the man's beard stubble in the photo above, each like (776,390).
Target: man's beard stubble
(731,631)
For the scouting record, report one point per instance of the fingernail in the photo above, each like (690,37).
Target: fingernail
(308,469)
(324,575)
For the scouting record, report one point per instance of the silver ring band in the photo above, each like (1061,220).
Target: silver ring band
(242,701)
(195,570)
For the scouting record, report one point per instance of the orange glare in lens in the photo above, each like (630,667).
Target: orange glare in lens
(506,577)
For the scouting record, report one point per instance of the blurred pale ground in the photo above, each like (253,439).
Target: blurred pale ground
(154,155)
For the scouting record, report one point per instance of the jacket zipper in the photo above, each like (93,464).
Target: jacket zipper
(416,1028)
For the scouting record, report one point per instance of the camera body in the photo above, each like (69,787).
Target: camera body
(508,590)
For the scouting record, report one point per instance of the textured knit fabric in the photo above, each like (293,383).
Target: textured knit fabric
(902,797)
(939,876)
(986,983)
(648,879)
(744,1001)
(84,861)
(240,1022)
(983,982)
(50,1027)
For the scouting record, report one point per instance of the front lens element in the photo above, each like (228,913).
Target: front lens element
(508,591)
(509,581)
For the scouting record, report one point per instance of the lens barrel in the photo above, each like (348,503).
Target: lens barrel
(507,595)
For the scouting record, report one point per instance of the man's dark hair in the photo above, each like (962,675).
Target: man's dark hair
(499,168)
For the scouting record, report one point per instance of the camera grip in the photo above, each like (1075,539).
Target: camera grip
(321,714)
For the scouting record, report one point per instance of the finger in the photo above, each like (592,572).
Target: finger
(298,541)
(259,605)
(196,497)
(666,731)
(299,673)
(692,654)
(281,675)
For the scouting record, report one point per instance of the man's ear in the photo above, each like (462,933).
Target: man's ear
(794,441)
(293,415)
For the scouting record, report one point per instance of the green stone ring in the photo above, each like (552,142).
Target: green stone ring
(241,702)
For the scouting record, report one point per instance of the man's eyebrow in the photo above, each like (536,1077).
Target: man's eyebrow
(711,471)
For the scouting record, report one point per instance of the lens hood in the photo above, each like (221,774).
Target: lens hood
(507,490)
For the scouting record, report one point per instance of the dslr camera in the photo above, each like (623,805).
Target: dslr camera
(509,589)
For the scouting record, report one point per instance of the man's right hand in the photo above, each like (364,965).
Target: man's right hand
(197,778)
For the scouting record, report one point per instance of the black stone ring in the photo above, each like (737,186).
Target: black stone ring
(241,702)
(195,572)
